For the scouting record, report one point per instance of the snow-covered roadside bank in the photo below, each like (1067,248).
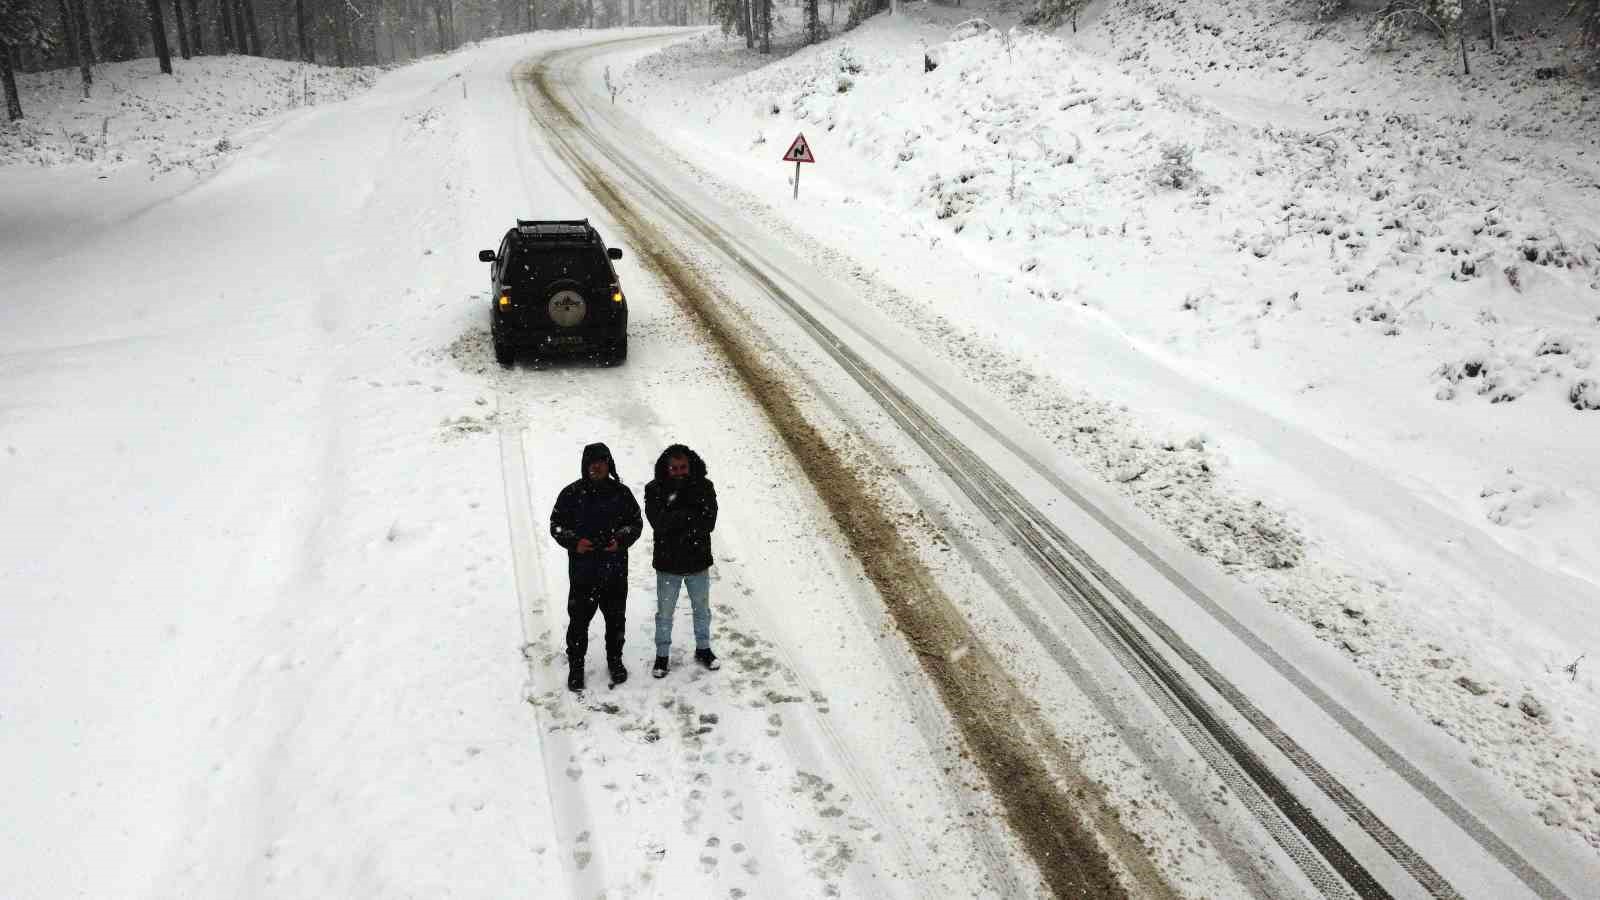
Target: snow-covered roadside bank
(1144,333)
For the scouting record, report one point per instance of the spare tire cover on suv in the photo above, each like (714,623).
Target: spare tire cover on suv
(567,308)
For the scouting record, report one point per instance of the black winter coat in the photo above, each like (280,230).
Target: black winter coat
(682,513)
(600,511)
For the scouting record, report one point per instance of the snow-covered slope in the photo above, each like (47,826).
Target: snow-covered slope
(1340,338)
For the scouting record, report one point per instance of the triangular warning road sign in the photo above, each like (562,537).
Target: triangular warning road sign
(799,151)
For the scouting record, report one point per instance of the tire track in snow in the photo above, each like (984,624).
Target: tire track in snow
(1009,740)
(568,808)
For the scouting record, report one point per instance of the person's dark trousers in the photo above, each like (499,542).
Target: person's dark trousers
(610,598)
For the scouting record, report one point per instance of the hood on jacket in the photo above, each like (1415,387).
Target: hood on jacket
(597,451)
(697,466)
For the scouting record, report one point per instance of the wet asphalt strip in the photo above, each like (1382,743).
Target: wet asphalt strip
(1078,579)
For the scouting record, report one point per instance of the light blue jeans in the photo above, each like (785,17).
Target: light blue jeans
(699,585)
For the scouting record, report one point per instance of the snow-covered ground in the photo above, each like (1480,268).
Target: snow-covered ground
(1331,320)
(264,632)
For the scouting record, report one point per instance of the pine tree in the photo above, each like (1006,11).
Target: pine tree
(158,34)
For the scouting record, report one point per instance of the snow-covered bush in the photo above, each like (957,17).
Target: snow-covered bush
(1585,395)
(1512,500)
(955,194)
(1380,312)
(1053,12)
(971,28)
(1176,167)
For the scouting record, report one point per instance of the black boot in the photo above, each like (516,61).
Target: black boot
(619,672)
(707,658)
(575,673)
(660,668)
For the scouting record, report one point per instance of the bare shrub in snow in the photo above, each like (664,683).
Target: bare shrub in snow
(953,195)
(1175,168)
(1400,18)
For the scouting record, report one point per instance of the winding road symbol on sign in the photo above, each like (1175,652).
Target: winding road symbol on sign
(799,151)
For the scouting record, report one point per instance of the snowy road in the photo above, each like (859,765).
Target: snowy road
(289,621)
(1378,837)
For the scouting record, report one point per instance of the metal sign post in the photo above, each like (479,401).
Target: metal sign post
(798,152)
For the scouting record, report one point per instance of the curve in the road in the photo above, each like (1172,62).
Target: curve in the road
(1066,564)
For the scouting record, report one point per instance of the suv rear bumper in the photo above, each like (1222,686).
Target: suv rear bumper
(549,339)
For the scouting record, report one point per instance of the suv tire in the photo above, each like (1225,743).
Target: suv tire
(619,351)
(504,354)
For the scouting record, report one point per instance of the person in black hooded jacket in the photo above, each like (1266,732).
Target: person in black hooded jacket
(596,519)
(681,504)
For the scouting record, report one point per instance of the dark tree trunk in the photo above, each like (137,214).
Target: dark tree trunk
(195,31)
(241,38)
(225,26)
(766,25)
(248,7)
(72,18)
(373,20)
(438,19)
(158,32)
(182,24)
(340,45)
(91,52)
(69,29)
(9,76)
(300,31)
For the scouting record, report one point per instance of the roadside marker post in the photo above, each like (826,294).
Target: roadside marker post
(798,152)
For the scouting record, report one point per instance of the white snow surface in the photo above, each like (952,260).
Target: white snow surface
(261,631)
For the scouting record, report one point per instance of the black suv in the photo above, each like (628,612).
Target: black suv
(554,291)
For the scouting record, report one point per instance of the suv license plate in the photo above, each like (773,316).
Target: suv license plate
(565,339)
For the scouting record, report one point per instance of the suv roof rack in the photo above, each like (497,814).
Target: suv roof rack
(556,229)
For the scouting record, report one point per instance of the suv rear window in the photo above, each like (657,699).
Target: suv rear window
(543,265)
